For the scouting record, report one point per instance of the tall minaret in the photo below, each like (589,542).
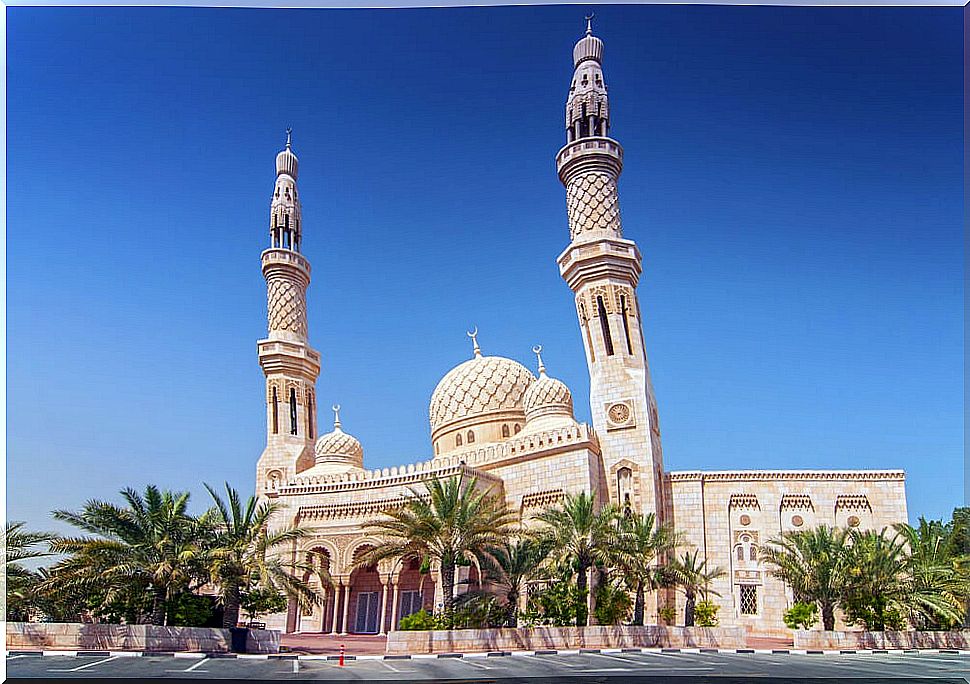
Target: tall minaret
(290,365)
(602,269)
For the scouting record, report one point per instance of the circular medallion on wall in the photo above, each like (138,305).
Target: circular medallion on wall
(619,413)
(853,521)
(797,520)
(746,520)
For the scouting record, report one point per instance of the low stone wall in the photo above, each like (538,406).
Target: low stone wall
(74,636)
(533,638)
(864,640)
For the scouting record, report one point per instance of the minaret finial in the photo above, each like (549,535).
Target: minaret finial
(474,336)
(589,23)
(289,131)
(537,350)
(336,416)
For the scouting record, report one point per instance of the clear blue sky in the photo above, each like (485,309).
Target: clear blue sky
(793,178)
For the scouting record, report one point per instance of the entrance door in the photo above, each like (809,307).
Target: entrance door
(367,607)
(411,602)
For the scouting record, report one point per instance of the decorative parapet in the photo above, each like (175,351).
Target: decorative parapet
(469,460)
(769,475)
(386,477)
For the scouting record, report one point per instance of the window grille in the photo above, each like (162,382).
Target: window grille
(748,599)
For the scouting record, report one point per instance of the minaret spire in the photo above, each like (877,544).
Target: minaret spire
(291,366)
(475,347)
(589,23)
(603,269)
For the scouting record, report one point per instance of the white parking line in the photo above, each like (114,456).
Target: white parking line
(296,666)
(192,667)
(84,667)
(474,664)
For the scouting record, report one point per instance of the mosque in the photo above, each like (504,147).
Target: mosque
(514,430)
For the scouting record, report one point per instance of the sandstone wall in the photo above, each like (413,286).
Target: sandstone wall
(516,639)
(866,640)
(72,636)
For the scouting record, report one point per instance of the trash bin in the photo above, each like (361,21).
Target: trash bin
(238,639)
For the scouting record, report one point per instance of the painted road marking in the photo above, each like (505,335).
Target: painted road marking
(474,664)
(84,667)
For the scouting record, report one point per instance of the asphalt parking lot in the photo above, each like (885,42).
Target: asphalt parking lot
(596,667)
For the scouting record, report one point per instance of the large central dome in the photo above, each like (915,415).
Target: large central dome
(478,392)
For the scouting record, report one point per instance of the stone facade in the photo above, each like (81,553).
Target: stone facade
(491,418)
(74,636)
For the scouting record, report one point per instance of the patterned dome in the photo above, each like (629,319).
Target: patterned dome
(483,385)
(547,395)
(339,446)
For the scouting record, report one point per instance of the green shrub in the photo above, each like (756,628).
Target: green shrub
(613,604)
(667,614)
(555,604)
(190,610)
(262,601)
(705,614)
(801,616)
(419,621)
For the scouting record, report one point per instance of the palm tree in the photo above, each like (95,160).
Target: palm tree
(516,561)
(451,522)
(937,581)
(580,536)
(813,563)
(691,577)
(21,545)
(641,544)
(152,545)
(242,554)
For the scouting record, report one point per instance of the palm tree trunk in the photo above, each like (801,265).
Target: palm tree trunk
(638,605)
(448,586)
(582,615)
(158,607)
(689,609)
(511,608)
(828,616)
(230,613)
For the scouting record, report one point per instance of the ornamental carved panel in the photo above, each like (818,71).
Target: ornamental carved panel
(286,306)
(592,204)
(619,414)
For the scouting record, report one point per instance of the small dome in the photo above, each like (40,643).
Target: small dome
(547,395)
(338,446)
(483,385)
(588,47)
(286,161)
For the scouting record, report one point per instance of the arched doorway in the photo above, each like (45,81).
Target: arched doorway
(414,590)
(318,618)
(365,609)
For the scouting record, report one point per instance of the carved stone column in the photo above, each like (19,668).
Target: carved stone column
(394,607)
(346,608)
(383,610)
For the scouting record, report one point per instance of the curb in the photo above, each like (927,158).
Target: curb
(488,654)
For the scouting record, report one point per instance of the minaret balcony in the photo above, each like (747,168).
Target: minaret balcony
(278,257)
(588,154)
(600,259)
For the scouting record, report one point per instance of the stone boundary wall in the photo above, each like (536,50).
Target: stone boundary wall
(881,640)
(75,636)
(540,638)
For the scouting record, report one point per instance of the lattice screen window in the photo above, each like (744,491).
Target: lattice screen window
(749,599)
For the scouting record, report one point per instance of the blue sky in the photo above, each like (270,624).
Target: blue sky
(793,179)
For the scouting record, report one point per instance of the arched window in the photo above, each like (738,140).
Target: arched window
(604,325)
(517,428)
(505,430)
(753,553)
(276,412)
(740,552)
(310,410)
(458,439)
(626,325)
(471,437)
(437,449)
(293,425)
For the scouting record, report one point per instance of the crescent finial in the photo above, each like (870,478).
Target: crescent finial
(537,350)
(336,416)
(474,335)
